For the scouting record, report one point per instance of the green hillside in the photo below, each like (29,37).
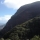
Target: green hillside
(28,30)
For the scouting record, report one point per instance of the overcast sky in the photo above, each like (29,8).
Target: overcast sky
(9,7)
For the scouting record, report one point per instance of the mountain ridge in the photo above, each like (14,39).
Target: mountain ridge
(27,28)
(23,14)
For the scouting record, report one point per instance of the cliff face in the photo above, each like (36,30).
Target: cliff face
(23,14)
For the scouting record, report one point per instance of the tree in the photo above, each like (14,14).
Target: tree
(14,36)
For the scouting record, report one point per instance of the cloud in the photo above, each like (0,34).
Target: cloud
(15,4)
(5,18)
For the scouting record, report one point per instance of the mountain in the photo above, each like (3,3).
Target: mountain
(2,26)
(24,31)
(24,13)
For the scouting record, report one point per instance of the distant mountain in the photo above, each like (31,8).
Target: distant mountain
(24,13)
(2,26)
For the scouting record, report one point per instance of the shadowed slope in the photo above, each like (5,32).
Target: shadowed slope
(23,14)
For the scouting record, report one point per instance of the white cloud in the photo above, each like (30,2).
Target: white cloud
(15,4)
(5,18)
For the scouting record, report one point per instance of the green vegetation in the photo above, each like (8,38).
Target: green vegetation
(30,30)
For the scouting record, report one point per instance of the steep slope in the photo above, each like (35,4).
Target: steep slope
(23,14)
(24,31)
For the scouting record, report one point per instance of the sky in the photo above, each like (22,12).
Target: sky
(9,8)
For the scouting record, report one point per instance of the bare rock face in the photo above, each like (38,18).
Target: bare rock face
(24,13)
